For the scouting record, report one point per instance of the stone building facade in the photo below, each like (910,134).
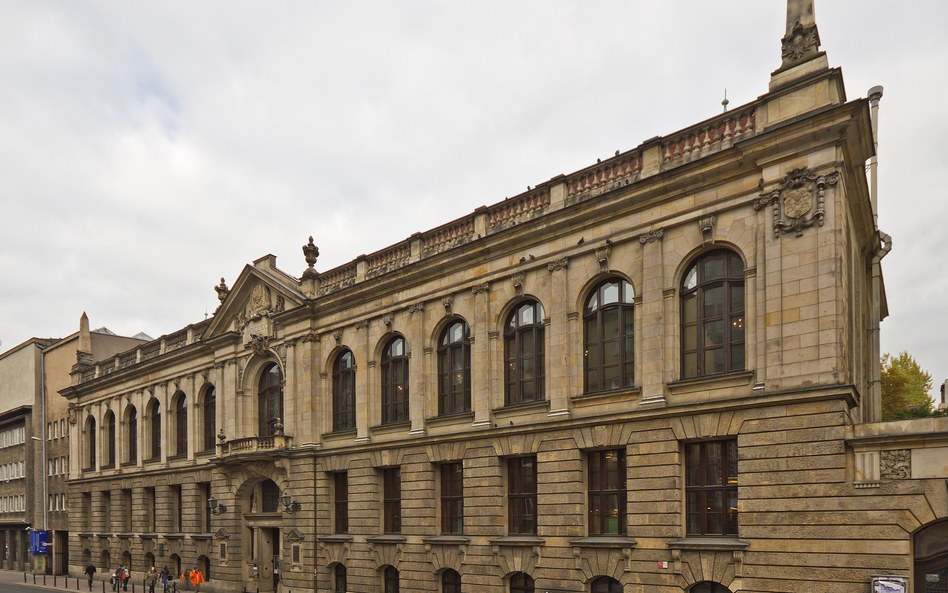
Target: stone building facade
(655,374)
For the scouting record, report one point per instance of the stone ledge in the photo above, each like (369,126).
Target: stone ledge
(335,538)
(202,536)
(526,408)
(738,379)
(460,418)
(606,397)
(391,427)
(518,540)
(604,541)
(709,543)
(447,540)
(389,538)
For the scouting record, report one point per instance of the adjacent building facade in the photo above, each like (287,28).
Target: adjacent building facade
(657,374)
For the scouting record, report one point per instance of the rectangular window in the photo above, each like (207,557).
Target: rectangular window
(392,499)
(177,509)
(107,513)
(87,512)
(711,487)
(205,489)
(340,492)
(607,492)
(522,495)
(452,498)
(127,511)
(149,510)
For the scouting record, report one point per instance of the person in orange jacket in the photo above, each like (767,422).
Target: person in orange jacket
(197,578)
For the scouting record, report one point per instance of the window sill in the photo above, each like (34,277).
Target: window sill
(400,426)
(708,543)
(336,537)
(174,536)
(338,435)
(447,540)
(150,535)
(109,466)
(606,397)
(125,535)
(152,460)
(177,457)
(459,418)
(604,541)
(521,408)
(736,379)
(518,540)
(202,536)
(86,534)
(388,538)
(103,535)
(206,453)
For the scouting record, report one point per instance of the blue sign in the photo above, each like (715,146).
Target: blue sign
(38,542)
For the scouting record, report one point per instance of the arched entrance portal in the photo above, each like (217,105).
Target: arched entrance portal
(262,533)
(931,559)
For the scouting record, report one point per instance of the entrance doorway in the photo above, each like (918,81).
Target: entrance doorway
(931,559)
(268,550)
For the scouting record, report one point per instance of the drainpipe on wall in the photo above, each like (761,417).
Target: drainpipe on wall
(873,411)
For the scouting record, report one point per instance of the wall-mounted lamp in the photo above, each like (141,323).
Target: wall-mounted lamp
(289,507)
(216,509)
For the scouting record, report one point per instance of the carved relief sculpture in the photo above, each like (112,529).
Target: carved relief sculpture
(706,225)
(795,200)
(652,236)
(560,264)
(259,301)
(896,465)
(602,255)
(518,280)
(310,252)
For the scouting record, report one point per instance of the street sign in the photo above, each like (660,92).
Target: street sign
(38,542)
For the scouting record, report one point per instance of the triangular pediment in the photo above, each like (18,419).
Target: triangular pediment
(256,296)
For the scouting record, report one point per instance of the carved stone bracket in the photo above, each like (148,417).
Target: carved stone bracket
(447,302)
(479,288)
(518,280)
(560,264)
(362,324)
(602,255)
(793,201)
(388,319)
(259,344)
(652,236)
(896,464)
(72,413)
(416,308)
(310,338)
(707,225)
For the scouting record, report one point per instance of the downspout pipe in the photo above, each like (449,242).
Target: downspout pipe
(883,245)
(44,502)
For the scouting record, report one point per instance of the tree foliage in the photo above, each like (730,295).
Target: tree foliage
(905,388)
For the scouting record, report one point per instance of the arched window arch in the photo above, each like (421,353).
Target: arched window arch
(521,582)
(210,417)
(105,561)
(181,424)
(395,381)
(709,587)
(454,369)
(154,421)
(204,564)
(270,497)
(343,392)
(606,585)
(524,354)
(339,584)
(270,399)
(609,337)
(450,581)
(109,423)
(90,443)
(132,435)
(931,558)
(712,315)
(149,560)
(391,580)
(175,565)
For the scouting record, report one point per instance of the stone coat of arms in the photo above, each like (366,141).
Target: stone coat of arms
(795,200)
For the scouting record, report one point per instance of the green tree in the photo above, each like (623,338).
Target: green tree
(905,388)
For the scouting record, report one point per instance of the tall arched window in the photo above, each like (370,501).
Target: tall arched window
(181,425)
(343,392)
(154,419)
(395,381)
(90,443)
(609,337)
(270,399)
(524,348)
(110,438)
(339,579)
(210,418)
(454,369)
(132,438)
(450,581)
(270,495)
(931,558)
(606,585)
(391,579)
(521,582)
(712,315)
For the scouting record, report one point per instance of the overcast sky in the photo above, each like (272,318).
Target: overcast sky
(149,148)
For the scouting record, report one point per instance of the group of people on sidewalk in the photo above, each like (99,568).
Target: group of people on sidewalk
(122,575)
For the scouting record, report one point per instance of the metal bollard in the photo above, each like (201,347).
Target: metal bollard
(55,581)
(44,579)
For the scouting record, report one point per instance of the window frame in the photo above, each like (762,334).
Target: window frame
(454,584)
(394,392)
(390,578)
(598,492)
(155,426)
(110,438)
(453,399)
(515,360)
(452,498)
(209,408)
(132,427)
(520,495)
(339,578)
(270,399)
(340,502)
(181,425)
(521,582)
(392,500)
(624,307)
(733,319)
(726,488)
(343,391)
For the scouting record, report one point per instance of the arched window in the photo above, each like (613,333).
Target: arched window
(154,419)
(450,581)
(270,493)
(90,442)
(343,392)
(127,560)
(606,585)
(454,369)
(149,560)
(110,439)
(105,562)
(709,587)
(339,579)
(521,582)
(931,558)
(204,564)
(608,337)
(270,399)
(395,381)
(132,439)
(210,418)
(175,565)
(391,580)
(712,315)
(181,425)
(524,347)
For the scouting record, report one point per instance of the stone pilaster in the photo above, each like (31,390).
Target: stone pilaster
(480,367)
(416,369)
(362,355)
(653,319)
(558,339)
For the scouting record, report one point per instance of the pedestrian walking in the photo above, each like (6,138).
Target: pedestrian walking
(90,571)
(126,575)
(116,579)
(164,575)
(151,579)
(197,578)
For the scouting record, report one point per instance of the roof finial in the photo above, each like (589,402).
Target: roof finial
(725,101)
(800,45)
